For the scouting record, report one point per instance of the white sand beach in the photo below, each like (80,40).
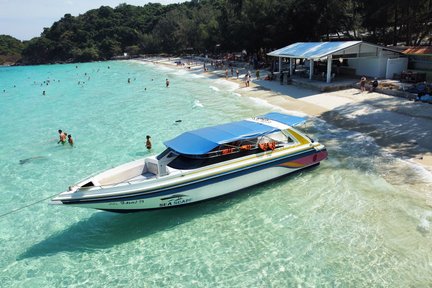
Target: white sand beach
(399,126)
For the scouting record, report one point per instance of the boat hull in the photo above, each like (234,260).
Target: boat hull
(202,189)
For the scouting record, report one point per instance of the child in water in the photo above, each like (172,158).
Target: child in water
(70,140)
(148,143)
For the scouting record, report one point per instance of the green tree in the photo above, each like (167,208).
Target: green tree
(10,49)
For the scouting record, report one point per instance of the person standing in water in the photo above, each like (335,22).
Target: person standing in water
(62,137)
(70,140)
(167,83)
(148,142)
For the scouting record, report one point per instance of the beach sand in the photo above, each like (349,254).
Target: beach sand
(399,126)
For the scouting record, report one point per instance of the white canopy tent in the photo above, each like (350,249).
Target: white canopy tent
(376,64)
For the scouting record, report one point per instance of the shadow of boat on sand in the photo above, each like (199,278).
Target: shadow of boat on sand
(103,230)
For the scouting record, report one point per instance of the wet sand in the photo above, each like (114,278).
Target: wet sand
(399,126)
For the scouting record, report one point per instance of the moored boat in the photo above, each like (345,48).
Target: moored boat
(201,164)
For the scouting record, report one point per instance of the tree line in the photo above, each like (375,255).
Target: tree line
(214,26)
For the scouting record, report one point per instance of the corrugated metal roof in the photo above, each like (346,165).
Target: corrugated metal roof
(312,50)
(418,50)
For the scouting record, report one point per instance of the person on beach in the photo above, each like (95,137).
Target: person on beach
(374,85)
(167,82)
(247,80)
(257,73)
(237,72)
(70,140)
(62,137)
(363,84)
(148,142)
(226,73)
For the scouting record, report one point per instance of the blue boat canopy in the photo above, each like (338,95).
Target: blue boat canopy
(284,118)
(202,141)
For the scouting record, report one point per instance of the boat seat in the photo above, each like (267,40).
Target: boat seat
(144,176)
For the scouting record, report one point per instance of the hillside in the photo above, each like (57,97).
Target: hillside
(10,50)
(211,27)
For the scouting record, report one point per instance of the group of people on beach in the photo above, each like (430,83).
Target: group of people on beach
(363,81)
(63,137)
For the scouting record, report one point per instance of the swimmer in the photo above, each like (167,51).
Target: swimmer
(128,80)
(70,140)
(43,93)
(167,83)
(148,142)
(62,137)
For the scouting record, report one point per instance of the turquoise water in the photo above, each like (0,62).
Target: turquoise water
(360,219)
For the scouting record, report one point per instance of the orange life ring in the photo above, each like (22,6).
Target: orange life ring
(272,145)
(246,147)
(227,151)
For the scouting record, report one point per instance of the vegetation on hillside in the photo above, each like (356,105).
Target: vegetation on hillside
(10,49)
(211,26)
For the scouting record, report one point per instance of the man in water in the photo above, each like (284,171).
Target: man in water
(62,137)
(167,83)
(148,142)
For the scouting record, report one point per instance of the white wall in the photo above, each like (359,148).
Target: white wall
(367,66)
(396,66)
(378,67)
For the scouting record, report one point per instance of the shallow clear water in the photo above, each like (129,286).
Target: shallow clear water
(360,219)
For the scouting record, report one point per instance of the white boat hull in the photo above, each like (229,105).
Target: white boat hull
(203,189)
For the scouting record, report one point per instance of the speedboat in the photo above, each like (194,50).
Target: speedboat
(201,164)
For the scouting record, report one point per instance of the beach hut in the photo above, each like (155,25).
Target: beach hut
(344,57)
(420,60)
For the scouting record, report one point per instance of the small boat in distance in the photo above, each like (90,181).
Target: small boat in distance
(201,164)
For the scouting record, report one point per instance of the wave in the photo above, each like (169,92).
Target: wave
(197,103)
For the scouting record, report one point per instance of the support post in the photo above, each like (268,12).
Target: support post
(329,68)
(291,66)
(311,67)
(280,64)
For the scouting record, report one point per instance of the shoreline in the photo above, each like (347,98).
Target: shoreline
(399,126)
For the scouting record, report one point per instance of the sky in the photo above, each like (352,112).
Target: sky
(25,19)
